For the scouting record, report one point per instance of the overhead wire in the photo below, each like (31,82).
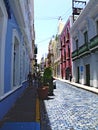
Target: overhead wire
(52,18)
(46,18)
(43,40)
(65,13)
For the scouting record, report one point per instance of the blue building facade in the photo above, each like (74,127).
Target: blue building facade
(15,51)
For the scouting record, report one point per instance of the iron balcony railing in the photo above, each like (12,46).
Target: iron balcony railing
(86,48)
(74,54)
(83,49)
(94,43)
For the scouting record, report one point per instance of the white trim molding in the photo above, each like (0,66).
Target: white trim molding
(3,31)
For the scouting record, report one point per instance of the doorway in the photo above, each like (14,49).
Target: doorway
(87,74)
(78,74)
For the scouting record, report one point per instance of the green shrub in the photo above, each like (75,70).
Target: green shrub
(48,79)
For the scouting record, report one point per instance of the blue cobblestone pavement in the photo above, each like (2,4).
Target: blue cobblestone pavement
(70,108)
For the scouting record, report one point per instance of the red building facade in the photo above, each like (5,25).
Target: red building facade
(66,56)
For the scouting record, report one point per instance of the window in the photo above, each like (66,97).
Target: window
(97,27)
(77,44)
(64,39)
(15,59)
(86,37)
(8,8)
(64,54)
(67,34)
(68,51)
(16,63)
(61,43)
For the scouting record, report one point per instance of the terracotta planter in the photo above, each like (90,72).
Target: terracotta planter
(43,92)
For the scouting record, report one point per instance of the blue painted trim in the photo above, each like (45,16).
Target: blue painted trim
(21,126)
(7,102)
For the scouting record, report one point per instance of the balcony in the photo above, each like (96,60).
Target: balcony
(63,44)
(83,50)
(94,43)
(50,55)
(67,37)
(57,60)
(60,48)
(75,54)
(61,60)
(64,60)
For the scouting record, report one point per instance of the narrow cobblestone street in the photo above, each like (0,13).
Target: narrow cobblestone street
(70,108)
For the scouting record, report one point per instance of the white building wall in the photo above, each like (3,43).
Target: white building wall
(81,64)
(94,70)
(86,22)
(3,30)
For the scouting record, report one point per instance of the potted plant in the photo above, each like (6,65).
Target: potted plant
(48,79)
(43,92)
(47,84)
(43,88)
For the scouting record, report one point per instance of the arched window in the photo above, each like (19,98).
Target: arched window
(24,64)
(16,63)
(15,59)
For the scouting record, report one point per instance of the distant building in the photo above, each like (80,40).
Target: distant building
(42,63)
(84,34)
(16,53)
(50,55)
(56,50)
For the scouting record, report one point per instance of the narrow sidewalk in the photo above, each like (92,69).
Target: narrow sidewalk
(24,114)
(88,88)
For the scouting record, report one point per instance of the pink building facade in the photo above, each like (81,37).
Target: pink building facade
(66,55)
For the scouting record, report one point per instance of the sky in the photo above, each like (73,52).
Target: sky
(46,14)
